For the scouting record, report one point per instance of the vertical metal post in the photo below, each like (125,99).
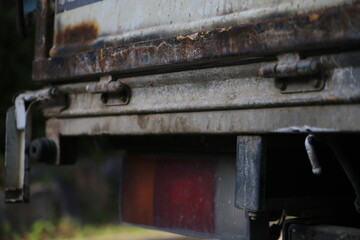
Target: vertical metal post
(250,173)
(250,184)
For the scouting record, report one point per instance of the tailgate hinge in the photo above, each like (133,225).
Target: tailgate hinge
(113,92)
(293,75)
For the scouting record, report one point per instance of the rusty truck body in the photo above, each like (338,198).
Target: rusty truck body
(240,119)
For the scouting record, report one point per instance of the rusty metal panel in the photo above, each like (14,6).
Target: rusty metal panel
(317,119)
(87,20)
(231,87)
(254,35)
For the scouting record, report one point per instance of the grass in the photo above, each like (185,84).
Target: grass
(68,229)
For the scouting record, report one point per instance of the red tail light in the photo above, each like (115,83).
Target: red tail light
(184,194)
(138,191)
(189,195)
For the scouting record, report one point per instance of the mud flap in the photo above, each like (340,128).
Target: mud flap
(16,161)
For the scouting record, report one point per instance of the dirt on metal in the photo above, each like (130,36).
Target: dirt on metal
(80,33)
(328,28)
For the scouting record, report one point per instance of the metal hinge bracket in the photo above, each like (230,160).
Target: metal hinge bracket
(18,137)
(112,92)
(294,75)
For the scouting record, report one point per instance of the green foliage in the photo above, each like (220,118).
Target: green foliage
(69,229)
(7,232)
(6,228)
(41,228)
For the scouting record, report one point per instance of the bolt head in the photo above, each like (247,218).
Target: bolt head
(280,84)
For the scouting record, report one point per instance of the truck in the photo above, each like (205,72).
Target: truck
(239,119)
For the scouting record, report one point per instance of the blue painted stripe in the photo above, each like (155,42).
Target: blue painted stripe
(65,5)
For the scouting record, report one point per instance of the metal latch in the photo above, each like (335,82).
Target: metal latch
(18,137)
(113,92)
(293,75)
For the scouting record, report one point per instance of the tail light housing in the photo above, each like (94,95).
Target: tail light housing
(192,195)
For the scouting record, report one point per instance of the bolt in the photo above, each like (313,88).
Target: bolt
(316,82)
(104,98)
(54,92)
(280,84)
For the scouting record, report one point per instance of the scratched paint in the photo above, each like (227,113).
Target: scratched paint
(81,33)
(133,20)
(328,28)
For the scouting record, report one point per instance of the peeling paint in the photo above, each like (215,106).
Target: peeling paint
(332,28)
(80,33)
(231,87)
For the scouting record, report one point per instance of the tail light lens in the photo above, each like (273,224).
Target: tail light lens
(188,195)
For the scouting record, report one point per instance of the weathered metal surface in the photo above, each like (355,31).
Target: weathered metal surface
(318,119)
(295,75)
(250,173)
(136,20)
(219,88)
(301,84)
(229,220)
(18,138)
(322,232)
(16,184)
(105,85)
(81,33)
(113,92)
(44,29)
(328,28)
(293,67)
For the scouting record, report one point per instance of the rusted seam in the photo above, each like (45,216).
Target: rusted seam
(329,28)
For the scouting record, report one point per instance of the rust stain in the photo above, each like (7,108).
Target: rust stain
(193,37)
(80,33)
(328,28)
(225,29)
(314,16)
(52,51)
(102,60)
(101,54)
